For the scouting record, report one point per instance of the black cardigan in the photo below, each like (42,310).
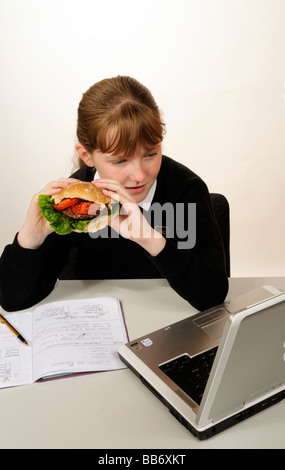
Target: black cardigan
(197,274)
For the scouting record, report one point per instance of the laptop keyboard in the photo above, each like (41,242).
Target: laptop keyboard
(191,373)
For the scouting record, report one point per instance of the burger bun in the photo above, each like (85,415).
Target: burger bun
(83,190)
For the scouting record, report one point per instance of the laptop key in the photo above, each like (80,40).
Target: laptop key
(191,373)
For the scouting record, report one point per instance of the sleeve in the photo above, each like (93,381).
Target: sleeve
(28,276)
(198,274)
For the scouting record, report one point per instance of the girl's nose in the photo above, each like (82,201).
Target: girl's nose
(138,173)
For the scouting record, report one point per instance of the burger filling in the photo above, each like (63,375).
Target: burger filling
(76,208)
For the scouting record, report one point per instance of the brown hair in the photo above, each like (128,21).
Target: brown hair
(117,114)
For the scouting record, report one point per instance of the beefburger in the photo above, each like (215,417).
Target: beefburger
(79,207)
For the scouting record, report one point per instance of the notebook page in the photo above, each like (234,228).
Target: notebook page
(77,336)
(15,356)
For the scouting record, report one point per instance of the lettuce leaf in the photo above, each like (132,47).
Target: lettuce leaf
(60,223)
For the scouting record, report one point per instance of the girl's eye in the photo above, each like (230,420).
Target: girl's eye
(119,162)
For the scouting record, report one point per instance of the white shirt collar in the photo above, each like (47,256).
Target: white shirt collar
(146,203)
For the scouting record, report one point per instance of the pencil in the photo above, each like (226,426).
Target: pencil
(11,328)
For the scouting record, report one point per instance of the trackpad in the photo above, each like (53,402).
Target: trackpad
(215,329)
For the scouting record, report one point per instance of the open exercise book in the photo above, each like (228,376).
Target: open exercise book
(65,337)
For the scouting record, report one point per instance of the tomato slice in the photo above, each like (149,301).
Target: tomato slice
(67,202)
(84,208)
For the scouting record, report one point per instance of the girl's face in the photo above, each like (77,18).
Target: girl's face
(136,173)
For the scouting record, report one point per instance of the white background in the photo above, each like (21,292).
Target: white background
(216,69)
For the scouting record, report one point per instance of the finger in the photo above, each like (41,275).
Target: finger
(55,187)
(63,182)
(123,197)
(105,181)
(114,186)
(109,184)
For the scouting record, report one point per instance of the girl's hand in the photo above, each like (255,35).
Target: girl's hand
(131,223)
(36,228)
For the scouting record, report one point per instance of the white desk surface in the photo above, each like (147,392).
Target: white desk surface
(113,410)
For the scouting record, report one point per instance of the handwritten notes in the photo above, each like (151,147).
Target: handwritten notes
(16,357)
(66,337)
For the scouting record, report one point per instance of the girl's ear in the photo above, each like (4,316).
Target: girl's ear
(84,155)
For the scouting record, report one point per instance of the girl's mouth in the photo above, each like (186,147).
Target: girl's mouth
(136,189)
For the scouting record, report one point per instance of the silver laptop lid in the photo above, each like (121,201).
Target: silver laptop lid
(250,361)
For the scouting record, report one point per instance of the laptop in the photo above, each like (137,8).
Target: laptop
(217,367)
